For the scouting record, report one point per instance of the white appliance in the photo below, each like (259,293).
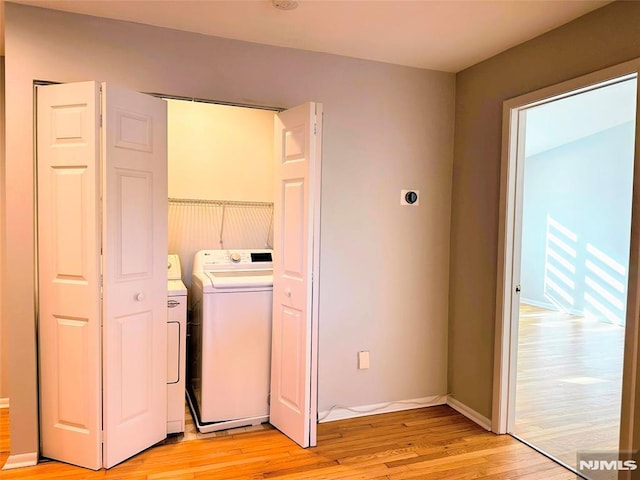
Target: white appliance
(230,338)
(176,346)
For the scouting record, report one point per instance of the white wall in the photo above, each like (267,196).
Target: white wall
(384,268)
(579,193)
(218,152)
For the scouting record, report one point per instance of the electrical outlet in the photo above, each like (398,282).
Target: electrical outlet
(363,360)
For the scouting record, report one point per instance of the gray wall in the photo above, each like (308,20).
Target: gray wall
(605,37)
(385,128)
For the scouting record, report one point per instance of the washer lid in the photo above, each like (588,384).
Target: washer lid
(240,279)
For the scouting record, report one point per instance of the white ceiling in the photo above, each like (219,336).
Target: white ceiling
(447,35)
(560,122)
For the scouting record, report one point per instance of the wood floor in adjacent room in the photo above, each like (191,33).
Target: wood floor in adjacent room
(569,383)
(433,443)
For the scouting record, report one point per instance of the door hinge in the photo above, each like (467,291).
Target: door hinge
(315,128)
(100,120)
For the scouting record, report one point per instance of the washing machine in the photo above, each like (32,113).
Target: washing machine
(176,346)
(230,338)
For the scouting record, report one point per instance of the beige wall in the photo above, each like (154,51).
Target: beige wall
(218,152)
(385,128)
(600,39)
(4,338)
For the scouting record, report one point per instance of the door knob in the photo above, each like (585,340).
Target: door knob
(287,292)
(140,297)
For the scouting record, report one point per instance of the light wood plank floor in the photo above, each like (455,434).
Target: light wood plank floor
(433,443)
(569,383)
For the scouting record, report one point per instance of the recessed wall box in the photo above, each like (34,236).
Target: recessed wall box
(410,197)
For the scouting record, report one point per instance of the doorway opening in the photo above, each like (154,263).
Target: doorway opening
(574,264)
(565,278)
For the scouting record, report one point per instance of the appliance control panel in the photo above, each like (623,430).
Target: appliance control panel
(232,259)
(174,272)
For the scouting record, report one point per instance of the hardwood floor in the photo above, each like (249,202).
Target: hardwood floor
(433,443)
(569,383)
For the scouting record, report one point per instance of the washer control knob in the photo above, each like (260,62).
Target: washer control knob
(235,257)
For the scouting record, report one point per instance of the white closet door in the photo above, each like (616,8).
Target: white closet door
(135,272)
(293,405)
(69,273)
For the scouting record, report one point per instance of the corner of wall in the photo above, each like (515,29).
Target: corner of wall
(471,414)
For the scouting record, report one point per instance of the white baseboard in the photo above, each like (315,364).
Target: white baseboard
(471,414)
(538,303)
(342,413)
(22,460)
(4,403)
(551,306)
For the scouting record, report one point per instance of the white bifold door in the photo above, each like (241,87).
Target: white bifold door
(102,277)
(298,140)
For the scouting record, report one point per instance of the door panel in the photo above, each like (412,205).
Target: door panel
(69,273)
(291,339)
(134,226)
(135,273)
(297,159)
(293,250)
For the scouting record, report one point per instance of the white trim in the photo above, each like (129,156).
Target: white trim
(316,181)
(551,306)
(538,303)
(4,402)
(21,460)
(342,413)
(471,414)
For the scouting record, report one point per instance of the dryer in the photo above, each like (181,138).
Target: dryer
(176,346)
(230,338)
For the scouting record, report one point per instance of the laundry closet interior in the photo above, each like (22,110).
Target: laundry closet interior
(220,188)
(221,157)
